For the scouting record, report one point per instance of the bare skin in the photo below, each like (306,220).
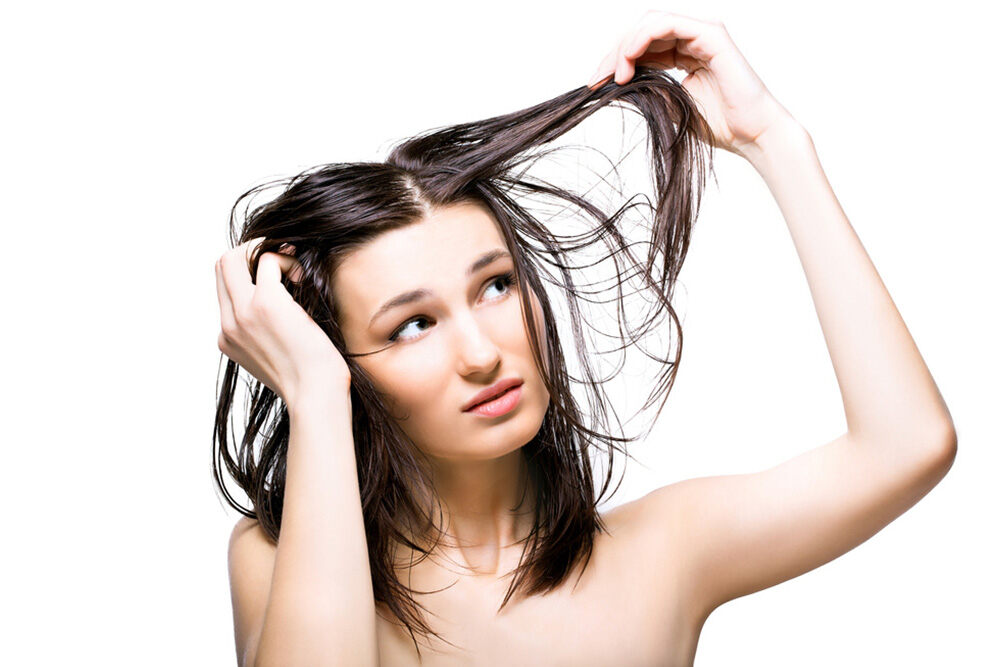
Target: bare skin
(676,554)
(607,617)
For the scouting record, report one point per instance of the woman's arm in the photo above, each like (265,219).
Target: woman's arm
(742,533)
(309,600)
(316,606)
(890,398)
(731,535)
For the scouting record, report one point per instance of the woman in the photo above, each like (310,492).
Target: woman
(413,435)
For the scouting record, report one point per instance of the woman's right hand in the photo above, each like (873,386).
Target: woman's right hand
(266,332)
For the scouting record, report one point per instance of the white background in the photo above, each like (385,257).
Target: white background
(130,128)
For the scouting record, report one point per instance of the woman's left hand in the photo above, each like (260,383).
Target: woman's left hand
(737,105)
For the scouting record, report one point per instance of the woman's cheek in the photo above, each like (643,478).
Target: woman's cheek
(410,379)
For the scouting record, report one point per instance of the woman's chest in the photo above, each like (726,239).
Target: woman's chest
(570,638)
(613,614)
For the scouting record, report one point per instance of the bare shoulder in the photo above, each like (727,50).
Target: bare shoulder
(251,562)
(650,522)
(725,536)
(251,557)
(248,529)
(249,545)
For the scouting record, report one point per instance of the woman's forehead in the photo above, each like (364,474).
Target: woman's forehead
(441,246)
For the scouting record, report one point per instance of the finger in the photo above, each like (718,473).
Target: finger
(612,64)
(225,303)
(604,70)
(269,269)
(248,250)
(236,274)
(687,63)
(285,255)
(287,265)
(607,66)
(692,41)
(624,61)
(663,30)
(623,68)
(695,37)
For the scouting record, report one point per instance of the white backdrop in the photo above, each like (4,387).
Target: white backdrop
(129,129)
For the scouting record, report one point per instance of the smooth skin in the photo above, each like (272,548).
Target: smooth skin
(679,552)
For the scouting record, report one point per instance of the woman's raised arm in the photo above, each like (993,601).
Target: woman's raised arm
(743,533)
(309,599)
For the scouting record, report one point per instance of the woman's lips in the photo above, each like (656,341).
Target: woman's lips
(499,405)
(491,392)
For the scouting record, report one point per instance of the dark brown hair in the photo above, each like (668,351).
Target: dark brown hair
(329,211)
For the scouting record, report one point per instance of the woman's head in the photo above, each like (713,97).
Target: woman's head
(431,312)
(367,232)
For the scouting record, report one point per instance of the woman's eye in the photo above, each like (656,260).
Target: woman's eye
(507,280)
(403,327)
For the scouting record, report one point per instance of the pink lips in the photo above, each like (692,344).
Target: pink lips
(491,392)
(500,405)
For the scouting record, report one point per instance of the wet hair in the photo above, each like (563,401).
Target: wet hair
(327,212)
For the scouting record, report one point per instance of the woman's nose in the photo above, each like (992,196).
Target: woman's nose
(475,348)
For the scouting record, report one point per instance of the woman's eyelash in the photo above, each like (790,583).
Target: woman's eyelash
(508,277)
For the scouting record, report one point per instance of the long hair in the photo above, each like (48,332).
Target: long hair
(327,212)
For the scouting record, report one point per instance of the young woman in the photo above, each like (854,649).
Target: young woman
(412,434)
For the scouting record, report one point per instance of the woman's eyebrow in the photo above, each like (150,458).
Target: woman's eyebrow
(483,261)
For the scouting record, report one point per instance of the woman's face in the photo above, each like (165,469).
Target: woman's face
(445,346)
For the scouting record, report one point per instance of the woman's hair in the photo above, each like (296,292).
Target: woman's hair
(329,211)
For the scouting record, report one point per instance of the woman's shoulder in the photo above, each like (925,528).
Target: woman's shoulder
(631,519)
(247,524)
(643,542)
(249,544)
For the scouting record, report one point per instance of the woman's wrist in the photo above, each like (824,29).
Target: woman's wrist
(785,131)
(320,396)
